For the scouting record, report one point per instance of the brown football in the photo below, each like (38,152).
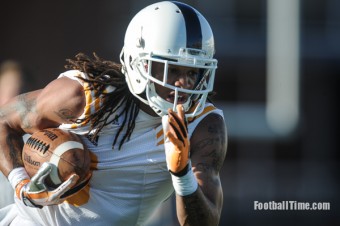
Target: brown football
(63,149)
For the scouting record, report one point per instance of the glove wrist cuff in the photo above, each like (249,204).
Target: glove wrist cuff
(16,176)
(185,185)
(181,173)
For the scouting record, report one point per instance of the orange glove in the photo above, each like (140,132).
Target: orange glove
(177,148)
(177,145)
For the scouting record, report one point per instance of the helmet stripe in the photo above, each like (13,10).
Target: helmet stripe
(193,26)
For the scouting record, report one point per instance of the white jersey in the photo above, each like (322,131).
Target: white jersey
(127,185)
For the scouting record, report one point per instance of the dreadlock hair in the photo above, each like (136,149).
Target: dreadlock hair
(102,73)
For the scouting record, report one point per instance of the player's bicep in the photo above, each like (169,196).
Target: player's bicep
(209,144)
(61,101)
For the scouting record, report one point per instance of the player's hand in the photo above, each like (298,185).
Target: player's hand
(177,144)
(177,148)
(35,193)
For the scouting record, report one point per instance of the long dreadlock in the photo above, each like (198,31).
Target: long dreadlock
(103,73)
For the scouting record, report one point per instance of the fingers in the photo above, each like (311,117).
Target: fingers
(181,115)
(165,123)
(42,173)
(64,187)
(180,112)
(177,123)
(37,181)
(69,183)
(174,140)
(37,184)
(78,187)
(175,130)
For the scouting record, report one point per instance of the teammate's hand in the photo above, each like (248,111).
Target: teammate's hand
(35,193)
(176,143)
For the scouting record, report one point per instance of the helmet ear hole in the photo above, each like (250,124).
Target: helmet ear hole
(130,60)
(146,67)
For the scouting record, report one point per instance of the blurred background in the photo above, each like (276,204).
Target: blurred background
(277,82)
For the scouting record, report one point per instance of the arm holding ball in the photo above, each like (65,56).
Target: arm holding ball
(29,113)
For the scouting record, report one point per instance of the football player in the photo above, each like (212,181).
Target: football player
(147,121)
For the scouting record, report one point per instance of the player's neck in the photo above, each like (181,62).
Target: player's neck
(147,109)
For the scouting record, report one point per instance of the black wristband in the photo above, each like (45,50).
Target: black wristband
(181,173)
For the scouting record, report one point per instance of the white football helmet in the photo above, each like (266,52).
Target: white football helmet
(172,33)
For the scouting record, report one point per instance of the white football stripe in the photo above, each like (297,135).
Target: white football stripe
(55,158)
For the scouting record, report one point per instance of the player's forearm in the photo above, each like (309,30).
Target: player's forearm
(13,117)
(196,209)
(11,144)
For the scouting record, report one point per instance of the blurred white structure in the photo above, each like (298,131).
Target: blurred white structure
(278,117)
(282,107)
